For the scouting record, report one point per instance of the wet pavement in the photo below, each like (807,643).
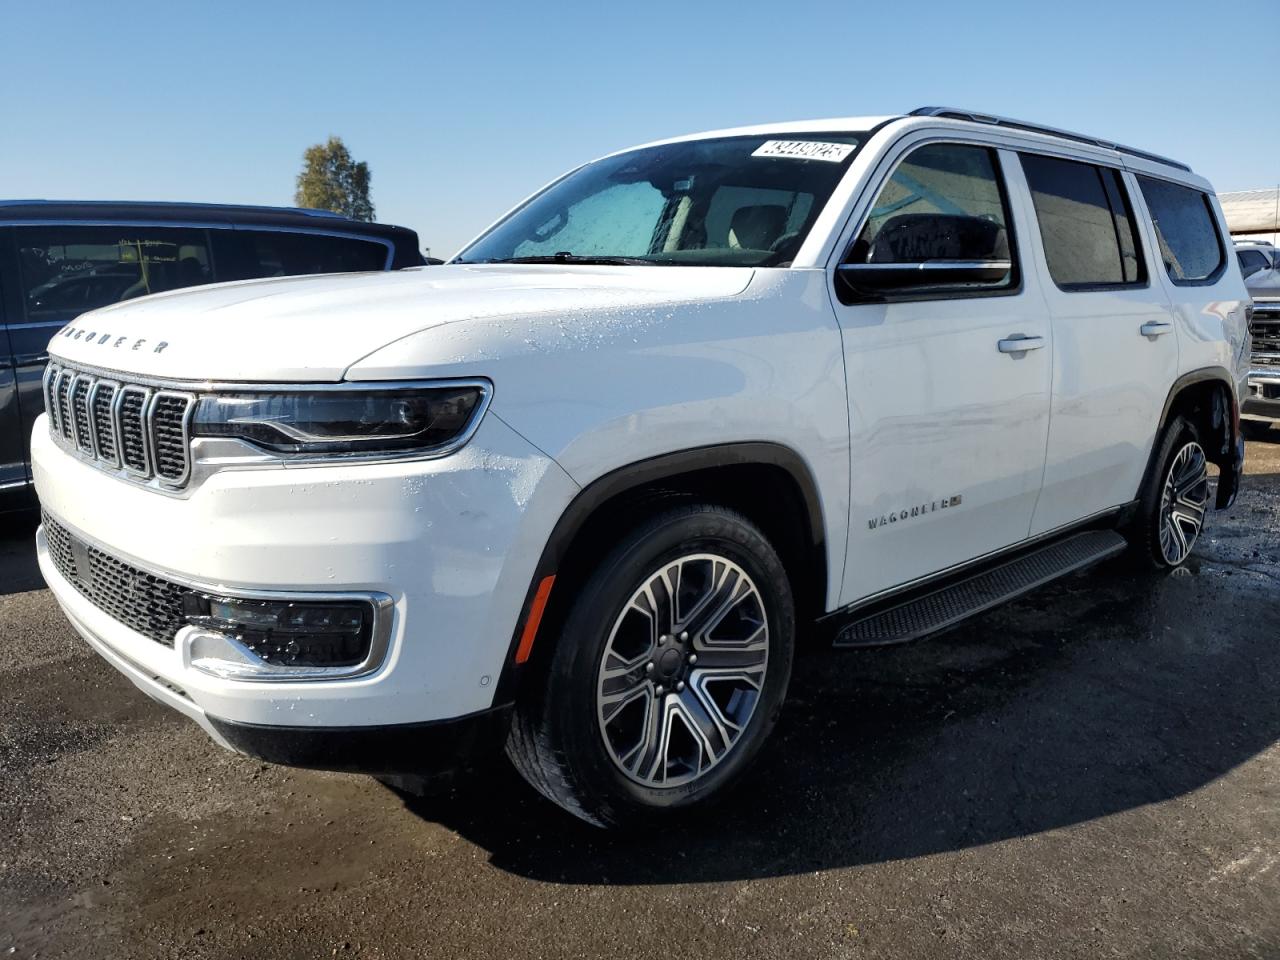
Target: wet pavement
(1092,771)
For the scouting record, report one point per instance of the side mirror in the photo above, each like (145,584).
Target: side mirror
(884,278)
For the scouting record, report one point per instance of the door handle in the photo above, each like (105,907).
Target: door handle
(1155,328)
(1020,344)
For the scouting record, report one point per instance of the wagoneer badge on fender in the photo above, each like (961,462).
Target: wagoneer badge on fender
(917,511)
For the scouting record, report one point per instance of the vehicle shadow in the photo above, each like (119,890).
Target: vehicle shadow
(1093,696)
(19,571)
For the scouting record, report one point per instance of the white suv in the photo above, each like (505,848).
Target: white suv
(577,491)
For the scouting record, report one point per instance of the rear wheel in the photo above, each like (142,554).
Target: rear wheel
(668,673)
(1173,506)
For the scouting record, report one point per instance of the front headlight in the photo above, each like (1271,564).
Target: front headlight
(349,420)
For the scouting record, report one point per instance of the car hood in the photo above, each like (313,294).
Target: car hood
(299,329)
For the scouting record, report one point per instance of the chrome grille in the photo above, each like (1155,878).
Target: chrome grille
(1265,328)
(169,435)
(131,426)
(121,426)
(80,412)
(143,602)
(104,433)
(64,404)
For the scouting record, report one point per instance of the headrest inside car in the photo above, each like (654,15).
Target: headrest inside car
(915,237)
(757,227)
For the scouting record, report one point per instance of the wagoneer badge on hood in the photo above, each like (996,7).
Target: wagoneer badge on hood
(100,339)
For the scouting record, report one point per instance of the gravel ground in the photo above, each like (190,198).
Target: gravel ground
(1092,771)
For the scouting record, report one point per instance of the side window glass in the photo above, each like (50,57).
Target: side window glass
(274,253)
(944,202)
(1189,241)
(1086,223)
(67,270)
(1251,261)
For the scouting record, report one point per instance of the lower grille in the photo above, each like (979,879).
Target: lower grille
(143,602)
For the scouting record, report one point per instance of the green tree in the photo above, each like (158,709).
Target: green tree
(331,180)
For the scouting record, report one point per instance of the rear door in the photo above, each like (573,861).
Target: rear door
(947,424)
(1115,352)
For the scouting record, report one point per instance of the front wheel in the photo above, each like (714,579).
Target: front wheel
(668,673)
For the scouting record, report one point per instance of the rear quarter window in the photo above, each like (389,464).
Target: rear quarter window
(1186,229)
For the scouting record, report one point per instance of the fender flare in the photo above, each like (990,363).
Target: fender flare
(1229,452)
(642,474)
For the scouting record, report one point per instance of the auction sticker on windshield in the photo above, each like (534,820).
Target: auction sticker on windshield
(805,150)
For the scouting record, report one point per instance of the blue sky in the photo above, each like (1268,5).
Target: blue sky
(462,109)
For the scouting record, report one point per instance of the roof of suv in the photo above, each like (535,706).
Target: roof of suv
(863,124)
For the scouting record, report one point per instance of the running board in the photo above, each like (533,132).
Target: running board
(947,606)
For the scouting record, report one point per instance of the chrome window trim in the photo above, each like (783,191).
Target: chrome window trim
(382,604)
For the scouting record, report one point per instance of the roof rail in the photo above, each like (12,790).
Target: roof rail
(952,113)
(304,211)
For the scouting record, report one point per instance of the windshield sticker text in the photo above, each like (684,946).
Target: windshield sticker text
(805,150)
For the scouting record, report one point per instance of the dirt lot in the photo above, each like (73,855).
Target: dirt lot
(1093,771)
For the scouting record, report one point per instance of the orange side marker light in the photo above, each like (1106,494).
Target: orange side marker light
(535,617)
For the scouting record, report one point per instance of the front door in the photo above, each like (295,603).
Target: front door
(948,409)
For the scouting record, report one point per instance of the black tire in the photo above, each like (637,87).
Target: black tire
(558,741)
(1145,533)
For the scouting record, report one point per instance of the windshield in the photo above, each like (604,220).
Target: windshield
(733,201)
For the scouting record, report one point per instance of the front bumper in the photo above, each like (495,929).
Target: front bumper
(1262,399)
(453,542)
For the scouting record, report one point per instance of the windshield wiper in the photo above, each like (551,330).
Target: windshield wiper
(565,257)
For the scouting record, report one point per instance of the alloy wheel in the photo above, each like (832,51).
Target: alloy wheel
(1183,503)
(682,670)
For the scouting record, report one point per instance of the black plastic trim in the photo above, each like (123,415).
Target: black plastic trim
(440,746)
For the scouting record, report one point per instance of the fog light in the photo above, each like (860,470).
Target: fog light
(288,633)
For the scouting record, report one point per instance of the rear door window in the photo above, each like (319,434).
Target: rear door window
(1086,223)
(1186,229)
(67,270)
(273,253)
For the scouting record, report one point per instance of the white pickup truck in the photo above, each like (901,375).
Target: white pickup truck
(576,492)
